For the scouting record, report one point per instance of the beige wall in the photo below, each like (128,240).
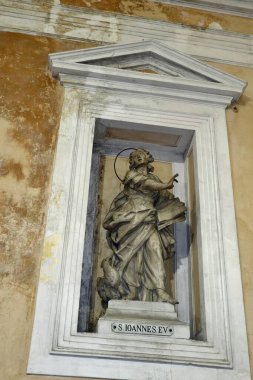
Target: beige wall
(30,103)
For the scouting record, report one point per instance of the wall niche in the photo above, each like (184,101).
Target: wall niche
(170,147)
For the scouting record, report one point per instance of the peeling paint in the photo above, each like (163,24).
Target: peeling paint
(50,245)
(57,198)
(95,33)
(10,166)
(215,25)
(49,260)
(51,26)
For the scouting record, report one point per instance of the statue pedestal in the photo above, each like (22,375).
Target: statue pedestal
(142,318)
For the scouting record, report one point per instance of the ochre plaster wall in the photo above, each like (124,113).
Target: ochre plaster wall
(30,103)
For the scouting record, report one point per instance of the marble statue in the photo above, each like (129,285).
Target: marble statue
(140,235)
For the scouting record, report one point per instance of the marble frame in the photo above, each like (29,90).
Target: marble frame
(57,348)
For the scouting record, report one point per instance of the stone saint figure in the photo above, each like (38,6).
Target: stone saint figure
(140,235)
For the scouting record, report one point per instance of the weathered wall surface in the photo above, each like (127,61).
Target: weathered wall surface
(167,12)
(30,104)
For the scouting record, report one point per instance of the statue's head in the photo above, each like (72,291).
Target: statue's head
(140,157)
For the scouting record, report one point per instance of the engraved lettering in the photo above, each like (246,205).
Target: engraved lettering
(141,328)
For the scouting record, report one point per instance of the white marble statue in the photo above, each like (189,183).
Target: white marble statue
(140,234)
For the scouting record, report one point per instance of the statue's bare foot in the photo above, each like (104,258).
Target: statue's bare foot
(162,296)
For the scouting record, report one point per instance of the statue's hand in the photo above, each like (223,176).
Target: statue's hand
(172,180)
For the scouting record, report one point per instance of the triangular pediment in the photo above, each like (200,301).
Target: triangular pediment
(135,61)
(149,62)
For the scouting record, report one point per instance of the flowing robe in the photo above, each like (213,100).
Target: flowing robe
(139,231)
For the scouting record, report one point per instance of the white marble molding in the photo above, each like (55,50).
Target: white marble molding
(49,18)
(193,101)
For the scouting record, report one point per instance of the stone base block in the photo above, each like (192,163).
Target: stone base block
(142,318)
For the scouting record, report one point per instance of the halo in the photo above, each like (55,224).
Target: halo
(114,165)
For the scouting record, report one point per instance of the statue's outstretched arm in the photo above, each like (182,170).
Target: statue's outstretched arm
(152,184)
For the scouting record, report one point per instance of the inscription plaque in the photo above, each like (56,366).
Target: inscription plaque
(141,328)
(142,318)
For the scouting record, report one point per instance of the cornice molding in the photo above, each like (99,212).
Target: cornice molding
(232,7)
(100,67)
(67,22)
